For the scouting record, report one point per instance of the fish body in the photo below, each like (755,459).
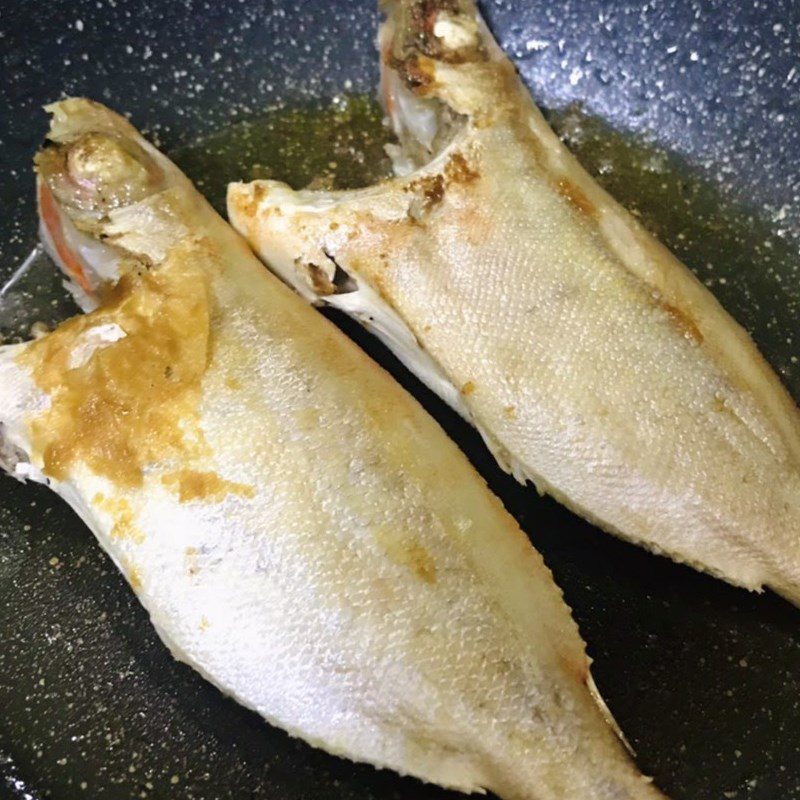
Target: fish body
(300,531)
(592,361)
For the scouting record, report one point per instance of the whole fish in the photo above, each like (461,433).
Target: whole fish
(591,360)
(300,531)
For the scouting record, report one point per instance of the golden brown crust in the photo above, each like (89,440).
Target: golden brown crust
(129,404)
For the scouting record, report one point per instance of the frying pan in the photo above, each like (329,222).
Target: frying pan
(700,101)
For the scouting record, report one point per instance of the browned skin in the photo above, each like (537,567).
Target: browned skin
(125,407)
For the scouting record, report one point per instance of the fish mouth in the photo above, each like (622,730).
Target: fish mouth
(415,37)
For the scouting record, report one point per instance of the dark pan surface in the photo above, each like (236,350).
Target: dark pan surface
(704,678)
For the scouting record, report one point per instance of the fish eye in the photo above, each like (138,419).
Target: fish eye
(115,171)
(97,160)
(98,172)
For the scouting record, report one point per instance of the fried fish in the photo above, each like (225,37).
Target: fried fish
(300,531)
(591,360)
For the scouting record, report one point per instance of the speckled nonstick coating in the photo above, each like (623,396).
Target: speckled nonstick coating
(703,678)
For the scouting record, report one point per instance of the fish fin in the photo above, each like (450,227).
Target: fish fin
(18,397)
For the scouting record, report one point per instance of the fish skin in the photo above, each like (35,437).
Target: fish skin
(592,361)
(370,594)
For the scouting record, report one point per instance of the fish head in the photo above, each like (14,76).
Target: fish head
(94,171)
(441,72)
(131,235)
